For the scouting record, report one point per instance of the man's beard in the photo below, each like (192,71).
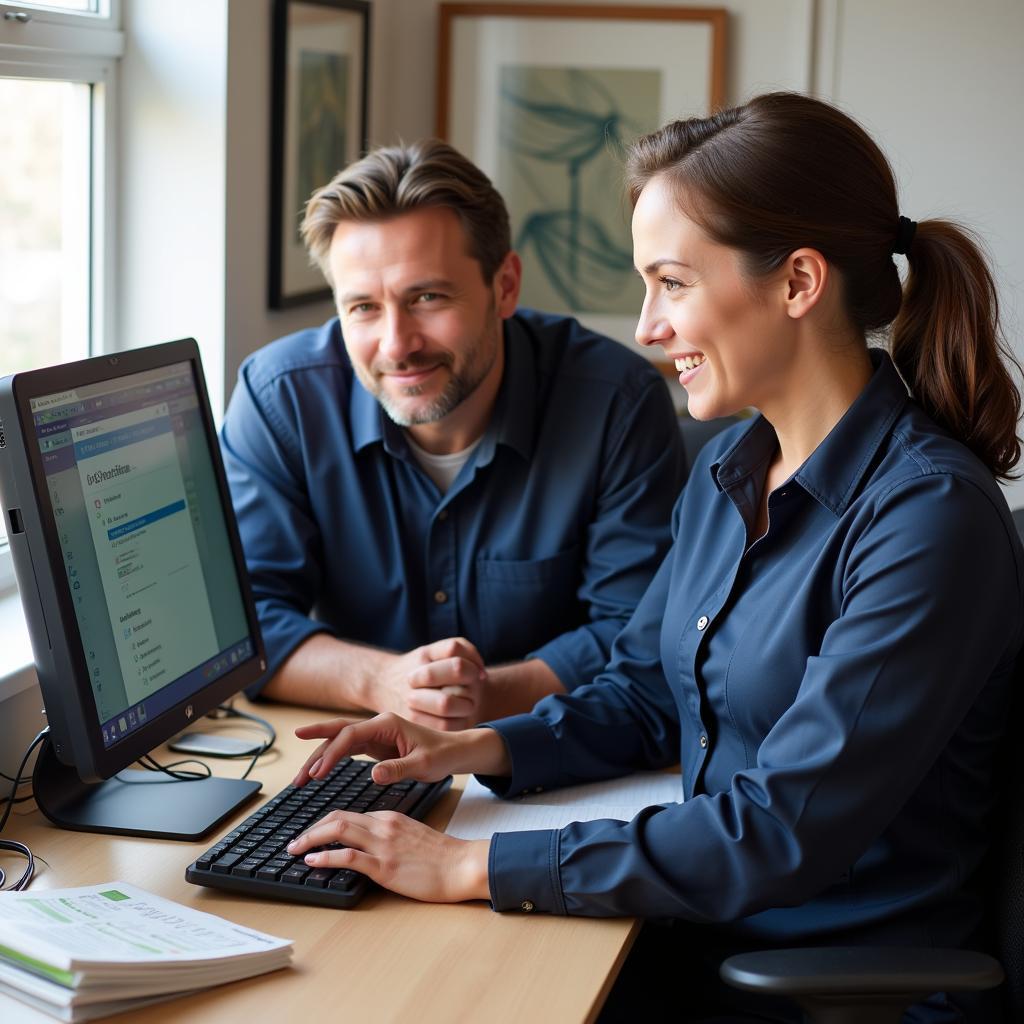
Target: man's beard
(459,387)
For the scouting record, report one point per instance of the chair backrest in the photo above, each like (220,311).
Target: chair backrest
(1007,877)
(1018,521)
(1007,874)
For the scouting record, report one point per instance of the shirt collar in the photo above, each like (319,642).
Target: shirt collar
(835,468)
(512,421)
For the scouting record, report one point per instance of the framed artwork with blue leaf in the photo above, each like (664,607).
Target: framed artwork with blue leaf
(544,98)
(319,74)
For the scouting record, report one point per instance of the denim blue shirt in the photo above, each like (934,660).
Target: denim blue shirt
(834,693)
(542,546)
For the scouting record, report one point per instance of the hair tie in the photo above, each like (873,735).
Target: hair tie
(904,236)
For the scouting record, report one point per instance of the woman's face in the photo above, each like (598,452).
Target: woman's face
(728,335)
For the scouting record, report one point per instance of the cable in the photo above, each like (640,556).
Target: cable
(147,762)
(229,711)
(222,711)
(11,845)
(152,765)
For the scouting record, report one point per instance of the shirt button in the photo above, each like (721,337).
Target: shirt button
(702,622)
(703,742)
(443,514)
(526,906)
(440,597)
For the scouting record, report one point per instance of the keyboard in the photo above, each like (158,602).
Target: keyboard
(253,858)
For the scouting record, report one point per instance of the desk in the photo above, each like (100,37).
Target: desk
(390,959)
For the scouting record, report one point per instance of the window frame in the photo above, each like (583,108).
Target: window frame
(76,47)
(106,18)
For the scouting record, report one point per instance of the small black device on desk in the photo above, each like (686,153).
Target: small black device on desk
(253,858)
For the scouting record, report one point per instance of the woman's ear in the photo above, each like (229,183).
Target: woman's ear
(806,278)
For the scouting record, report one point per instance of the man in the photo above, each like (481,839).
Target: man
(449,508)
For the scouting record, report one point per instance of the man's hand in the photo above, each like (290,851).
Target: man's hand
(438,685)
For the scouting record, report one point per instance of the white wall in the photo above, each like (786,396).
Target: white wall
(170,278)
(940,83)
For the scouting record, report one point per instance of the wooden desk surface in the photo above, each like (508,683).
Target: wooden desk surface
(390,959)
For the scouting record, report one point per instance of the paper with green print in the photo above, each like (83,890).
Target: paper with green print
(104,948)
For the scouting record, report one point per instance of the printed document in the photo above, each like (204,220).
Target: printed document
(480,813)
(100,949)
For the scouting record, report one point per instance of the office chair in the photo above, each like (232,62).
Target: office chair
(1018,521)
(874,985)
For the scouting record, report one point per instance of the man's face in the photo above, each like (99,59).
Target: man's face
(422,327)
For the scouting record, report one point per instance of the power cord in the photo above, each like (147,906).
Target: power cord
(148,762)
(229,711)
(10,845)
(222,711)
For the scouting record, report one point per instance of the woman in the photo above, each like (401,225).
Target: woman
(828,648)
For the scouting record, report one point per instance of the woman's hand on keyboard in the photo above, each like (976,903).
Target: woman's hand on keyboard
(401,854)
(404,749)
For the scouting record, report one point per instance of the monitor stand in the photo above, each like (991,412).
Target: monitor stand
(135,803)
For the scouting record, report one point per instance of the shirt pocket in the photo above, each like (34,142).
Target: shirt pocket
(524,603)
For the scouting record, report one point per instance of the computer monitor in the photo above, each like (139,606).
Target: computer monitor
(133,582)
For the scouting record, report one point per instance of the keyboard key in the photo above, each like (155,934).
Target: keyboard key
(387,802)
(295,875)
(319,878)
(344,880)
(269,872)
(225,863)
(247,868)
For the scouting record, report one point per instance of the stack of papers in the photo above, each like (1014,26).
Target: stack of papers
(480,813)
(78,954)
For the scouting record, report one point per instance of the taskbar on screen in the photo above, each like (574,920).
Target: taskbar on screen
(132,718)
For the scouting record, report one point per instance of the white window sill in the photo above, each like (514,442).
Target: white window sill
(17,671)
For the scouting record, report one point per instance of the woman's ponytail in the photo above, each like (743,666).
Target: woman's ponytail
(946,344)
(785,171)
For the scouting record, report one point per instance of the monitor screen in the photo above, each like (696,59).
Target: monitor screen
(143,541)
(127,556)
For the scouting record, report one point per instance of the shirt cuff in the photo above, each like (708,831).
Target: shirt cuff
(533,750)
(522,872)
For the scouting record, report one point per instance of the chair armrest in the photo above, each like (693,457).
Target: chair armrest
(861,971)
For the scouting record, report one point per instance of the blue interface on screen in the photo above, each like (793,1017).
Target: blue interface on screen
(145,546)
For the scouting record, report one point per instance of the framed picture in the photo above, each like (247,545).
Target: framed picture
(544,98)
(317,126)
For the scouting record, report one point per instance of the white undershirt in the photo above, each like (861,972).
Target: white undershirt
(442,469)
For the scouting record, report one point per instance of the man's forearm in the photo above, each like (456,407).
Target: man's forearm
(514,689)
(325,672)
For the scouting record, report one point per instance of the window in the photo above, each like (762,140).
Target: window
(44,222)
(58,63)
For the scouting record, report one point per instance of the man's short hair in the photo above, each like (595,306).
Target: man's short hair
(394,180)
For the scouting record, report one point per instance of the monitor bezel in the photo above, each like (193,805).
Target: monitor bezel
(77,738)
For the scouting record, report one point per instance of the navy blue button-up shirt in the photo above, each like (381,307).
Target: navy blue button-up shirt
(834,692)
(542,546)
